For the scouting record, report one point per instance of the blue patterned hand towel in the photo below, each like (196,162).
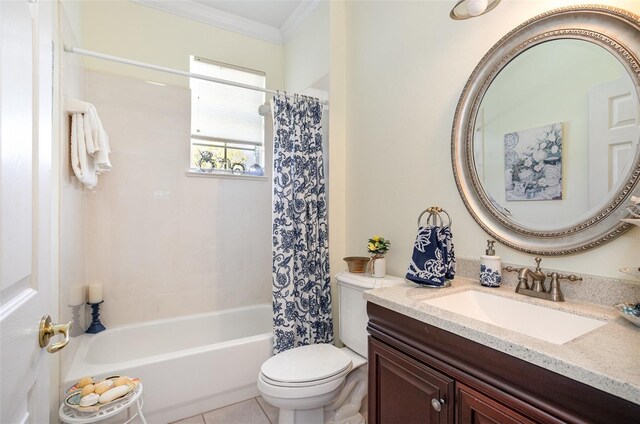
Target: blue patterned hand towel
(449,254)
(427,265)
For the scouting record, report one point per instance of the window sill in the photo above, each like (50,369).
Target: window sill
(229,176)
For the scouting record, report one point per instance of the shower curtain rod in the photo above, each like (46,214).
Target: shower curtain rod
(103,56)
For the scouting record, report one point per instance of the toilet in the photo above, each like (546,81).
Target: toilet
(321,383)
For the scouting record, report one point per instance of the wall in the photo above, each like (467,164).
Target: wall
(72,198)
(164,244)
(137,32)
(403,84)
(337,137)
(306,52)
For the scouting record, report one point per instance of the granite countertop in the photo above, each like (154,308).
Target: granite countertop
(607,358)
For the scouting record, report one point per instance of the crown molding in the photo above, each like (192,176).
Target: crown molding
(296,19)
(208,15)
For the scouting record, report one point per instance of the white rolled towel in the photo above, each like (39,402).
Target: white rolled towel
(89,142)
(81,162)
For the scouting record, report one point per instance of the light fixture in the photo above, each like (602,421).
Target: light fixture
(466,9)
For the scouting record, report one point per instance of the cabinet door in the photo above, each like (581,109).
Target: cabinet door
(476,408)
(404,391)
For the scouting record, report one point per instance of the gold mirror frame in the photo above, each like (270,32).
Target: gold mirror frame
(615,30)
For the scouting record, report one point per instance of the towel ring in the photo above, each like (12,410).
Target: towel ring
(434,214)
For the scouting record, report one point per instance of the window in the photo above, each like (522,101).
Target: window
(227,133)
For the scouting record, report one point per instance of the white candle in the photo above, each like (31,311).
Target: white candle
(95,292)
(76,295)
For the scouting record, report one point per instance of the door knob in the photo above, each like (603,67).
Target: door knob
(48,330)
(437,404)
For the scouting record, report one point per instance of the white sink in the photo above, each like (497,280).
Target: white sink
(543,323)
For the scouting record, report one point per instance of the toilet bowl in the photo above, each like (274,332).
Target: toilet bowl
(321,383)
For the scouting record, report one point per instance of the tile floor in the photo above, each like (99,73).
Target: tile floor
(252,411)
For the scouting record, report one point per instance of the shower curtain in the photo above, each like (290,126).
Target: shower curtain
(301,280)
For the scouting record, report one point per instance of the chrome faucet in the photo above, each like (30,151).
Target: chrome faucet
(538,278)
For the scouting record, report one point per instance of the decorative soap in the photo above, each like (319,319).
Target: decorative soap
(113,393)
(103,386)
(85,381)
(88,389)
(120,381)
(90,399)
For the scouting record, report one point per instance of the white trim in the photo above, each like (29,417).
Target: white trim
(296,19)
(211,16)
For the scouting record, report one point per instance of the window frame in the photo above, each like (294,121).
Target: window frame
(197,139)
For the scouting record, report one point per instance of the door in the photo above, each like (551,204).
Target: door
(405,391)
(476,408)
(613,136)
(25,207)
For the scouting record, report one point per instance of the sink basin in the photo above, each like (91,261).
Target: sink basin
(543,323)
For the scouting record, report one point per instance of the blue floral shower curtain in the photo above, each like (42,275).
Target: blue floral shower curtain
(301,280)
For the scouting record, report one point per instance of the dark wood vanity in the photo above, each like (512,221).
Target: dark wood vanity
(419,373)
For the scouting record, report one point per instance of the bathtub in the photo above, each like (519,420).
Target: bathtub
(188,365)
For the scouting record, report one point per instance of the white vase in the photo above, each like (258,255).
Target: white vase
(379,267)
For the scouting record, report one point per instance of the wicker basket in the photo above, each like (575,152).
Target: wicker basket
(357,264)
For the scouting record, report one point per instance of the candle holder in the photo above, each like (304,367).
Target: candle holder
(96,326)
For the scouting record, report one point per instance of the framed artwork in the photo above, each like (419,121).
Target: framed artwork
(533,163)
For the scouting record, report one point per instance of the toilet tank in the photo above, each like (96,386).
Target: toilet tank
(353,308)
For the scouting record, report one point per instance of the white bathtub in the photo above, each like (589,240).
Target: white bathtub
(188,365)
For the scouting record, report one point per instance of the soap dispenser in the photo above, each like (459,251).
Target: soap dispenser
(490,267)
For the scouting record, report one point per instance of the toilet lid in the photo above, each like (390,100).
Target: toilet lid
(306,364)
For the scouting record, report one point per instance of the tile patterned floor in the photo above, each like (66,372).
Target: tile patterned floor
(252,411)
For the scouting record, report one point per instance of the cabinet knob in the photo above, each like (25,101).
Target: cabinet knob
(437,404)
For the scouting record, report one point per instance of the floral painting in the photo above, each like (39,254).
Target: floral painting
(533,163)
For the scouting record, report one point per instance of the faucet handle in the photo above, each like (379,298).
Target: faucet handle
(571,277)
(554,290)
(538,260)
(557,276)
(509,268)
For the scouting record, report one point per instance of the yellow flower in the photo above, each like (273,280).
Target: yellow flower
(376,238)
(371,246)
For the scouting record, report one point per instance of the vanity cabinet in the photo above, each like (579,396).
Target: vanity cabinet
(419,373)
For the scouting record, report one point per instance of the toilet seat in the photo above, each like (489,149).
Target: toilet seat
(306,366)
(306,383)
(283,392)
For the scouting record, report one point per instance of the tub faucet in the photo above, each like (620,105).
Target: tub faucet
(538,279)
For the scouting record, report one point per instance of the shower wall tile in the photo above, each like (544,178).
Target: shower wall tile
(164,244)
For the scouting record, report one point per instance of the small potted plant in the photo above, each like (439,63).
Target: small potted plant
(378,247)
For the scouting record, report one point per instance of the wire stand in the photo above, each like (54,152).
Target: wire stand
(133,403)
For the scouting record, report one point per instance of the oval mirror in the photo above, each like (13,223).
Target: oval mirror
(545,138)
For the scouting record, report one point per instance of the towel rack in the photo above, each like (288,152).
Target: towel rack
(72,105)
(434,214)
